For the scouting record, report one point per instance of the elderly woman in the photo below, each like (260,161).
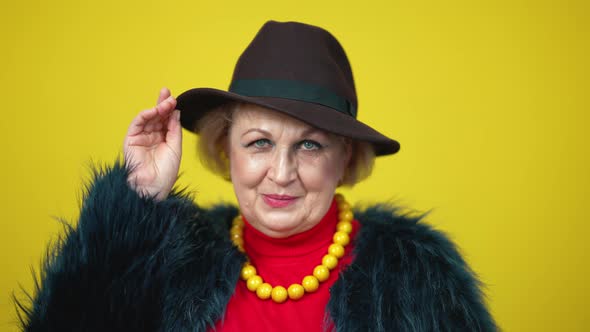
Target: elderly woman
(294,257)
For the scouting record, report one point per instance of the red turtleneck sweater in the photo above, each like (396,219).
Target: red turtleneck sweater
(284,262)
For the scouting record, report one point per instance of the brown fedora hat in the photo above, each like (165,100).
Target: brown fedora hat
(299,70)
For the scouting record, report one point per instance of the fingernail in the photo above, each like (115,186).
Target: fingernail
(177,115)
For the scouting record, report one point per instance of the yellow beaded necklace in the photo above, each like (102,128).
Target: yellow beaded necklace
(310,283)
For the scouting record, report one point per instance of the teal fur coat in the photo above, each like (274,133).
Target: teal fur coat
(134,264)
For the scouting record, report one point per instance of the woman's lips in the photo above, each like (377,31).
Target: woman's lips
(278,201)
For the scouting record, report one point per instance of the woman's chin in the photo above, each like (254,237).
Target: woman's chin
(279,227)
(279,222)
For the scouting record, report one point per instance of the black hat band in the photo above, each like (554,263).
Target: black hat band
(295,90)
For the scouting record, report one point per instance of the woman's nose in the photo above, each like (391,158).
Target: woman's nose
(283,168)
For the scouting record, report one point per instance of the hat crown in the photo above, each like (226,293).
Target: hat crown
(299,53)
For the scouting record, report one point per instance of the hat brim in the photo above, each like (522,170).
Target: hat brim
(194,103)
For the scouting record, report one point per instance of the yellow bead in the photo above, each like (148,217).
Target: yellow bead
(279,294)
(330,261)
(238,242)
(321,272)
(345,215)
(339,198)
(343,206)
(248,271)
(341,238)
(263,291)
(238,221)
(310,284)
(254,282)
(336,250)
(235,236)
(235,230)
(296,291)
(344,226)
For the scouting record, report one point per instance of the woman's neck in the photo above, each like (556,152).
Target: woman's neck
(258,244)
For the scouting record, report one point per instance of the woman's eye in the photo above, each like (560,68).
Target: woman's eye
(310,145)
(261,143)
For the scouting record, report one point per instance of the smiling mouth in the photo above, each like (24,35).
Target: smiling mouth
(279,201)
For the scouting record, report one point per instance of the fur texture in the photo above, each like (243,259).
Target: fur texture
(133,264)
(406,277)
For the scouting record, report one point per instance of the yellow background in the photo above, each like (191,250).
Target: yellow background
(488,99)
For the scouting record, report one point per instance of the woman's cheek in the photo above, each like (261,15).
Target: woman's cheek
(318,176)
(249,169)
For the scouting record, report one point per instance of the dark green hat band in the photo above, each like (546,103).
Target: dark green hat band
(293,90)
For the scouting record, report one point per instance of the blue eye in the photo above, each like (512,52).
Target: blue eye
(261,143)
(310,145)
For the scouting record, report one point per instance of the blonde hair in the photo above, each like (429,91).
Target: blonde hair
(213,129)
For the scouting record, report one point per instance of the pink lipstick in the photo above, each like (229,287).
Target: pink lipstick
(279,201)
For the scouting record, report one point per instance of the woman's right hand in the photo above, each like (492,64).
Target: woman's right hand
(153,148)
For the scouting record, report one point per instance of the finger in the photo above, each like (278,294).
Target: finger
(164,93)
(166,107)
(163,111)
(141,120)
(153,119)
(160,120)
(154,126)
(174,133)
(145,139)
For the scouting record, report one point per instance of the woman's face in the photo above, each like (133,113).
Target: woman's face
(284,172)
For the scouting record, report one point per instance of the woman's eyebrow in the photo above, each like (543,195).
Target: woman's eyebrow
(307,132)
(262,131)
